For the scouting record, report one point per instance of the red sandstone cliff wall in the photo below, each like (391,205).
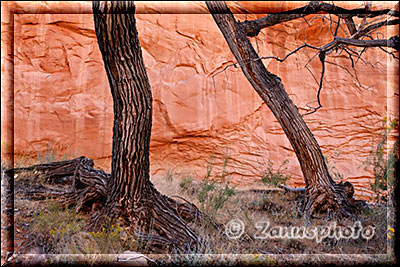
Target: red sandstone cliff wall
(62,100)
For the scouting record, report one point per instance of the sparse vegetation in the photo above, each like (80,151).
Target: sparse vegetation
(383,159)
(57,229)
(275,177)
(42,156)
(266,203)
(113,239)
(212,195)
(60,230)
(186,182)
(332,168)
(49,155)
(169,175)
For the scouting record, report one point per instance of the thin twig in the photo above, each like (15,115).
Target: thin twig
(337,27)
(312,74)
(304,18)
(322,59)
(266,57)
(355,76)
(350,56)
(285,57)
(390,53)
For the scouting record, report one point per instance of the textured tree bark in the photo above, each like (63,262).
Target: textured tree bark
(322,193)
(77,183)
(132,196)
(130,88)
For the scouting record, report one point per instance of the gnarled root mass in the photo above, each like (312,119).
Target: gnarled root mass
(154,218)
(337,200)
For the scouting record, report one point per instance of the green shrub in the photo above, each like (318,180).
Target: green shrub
(59,230)
(112,239)
(383,160)
(212,195)
(277,177)
(54,227)
(186,181)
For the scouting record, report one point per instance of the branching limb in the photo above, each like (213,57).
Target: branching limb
(390,53)
(266,57)
(393,42)
(366,26)
(287,55)
(375,26)
(350,24)
(253,27)
(337,27)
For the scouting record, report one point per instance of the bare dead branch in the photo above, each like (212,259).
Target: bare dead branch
(392,42)
(337,27)
(325,49)
(311,59)
(350,24)
(368,29)
(359,56)
(332,21)
(390,53)
(287,55)
(350,56)
(352,52)
(316,81)
(265,57)
(322,56)
(354,76)
(253,27)
(305,19)
(312,74)
(331,26)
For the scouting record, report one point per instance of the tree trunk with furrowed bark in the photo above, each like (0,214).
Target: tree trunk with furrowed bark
(127,193)
(322,193)
(131,195)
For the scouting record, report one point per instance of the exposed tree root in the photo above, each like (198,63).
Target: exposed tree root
(301,190)
(88,185)
(337,202)
(156,219)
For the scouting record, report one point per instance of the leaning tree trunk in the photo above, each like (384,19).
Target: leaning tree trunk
(131,195)
(322,193)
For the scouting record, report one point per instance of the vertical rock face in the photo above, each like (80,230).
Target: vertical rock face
(203,106)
